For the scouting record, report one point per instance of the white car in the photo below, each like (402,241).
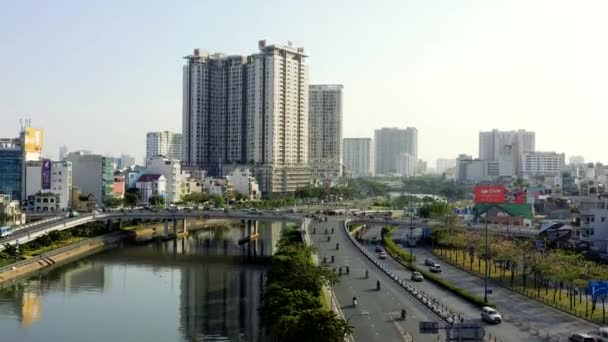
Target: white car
(382,255)
(436,268)
(490,315)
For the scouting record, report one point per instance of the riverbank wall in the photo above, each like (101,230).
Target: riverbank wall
(60,256)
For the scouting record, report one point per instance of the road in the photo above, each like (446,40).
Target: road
(374,318)
(505,331)
(528,317)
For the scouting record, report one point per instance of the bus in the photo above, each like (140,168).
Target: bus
(5,231)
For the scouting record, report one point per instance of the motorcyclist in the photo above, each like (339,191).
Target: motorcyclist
(347,270)
(337,246)
(377,284)
(366,274)
(354,301)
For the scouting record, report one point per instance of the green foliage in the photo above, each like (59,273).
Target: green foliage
(157,200)
(398,253)
(435,210)
(195,197)
(291,309)
(218,201)
(112,202)
(131,197)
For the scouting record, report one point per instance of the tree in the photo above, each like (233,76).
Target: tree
(218,201)
(112,202)
(130,199)
(195,197)
(157,200)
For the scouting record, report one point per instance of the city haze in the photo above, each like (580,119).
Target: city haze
(99,76)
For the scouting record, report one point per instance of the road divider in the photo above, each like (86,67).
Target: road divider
(439,309)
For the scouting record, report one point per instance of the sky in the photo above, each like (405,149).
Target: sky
(98,75)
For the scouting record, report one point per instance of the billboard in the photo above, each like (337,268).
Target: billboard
(46,174)
(33,140)
(490,194)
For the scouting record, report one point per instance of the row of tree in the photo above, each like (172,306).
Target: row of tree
(520,264)
(292,309)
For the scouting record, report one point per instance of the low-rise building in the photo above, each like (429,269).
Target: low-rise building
(217,186)
(151,185)
(189,184)
(82,202)
(43,202)
(10,212)
(594,222)
(511,214)
(171,170)
(244,183)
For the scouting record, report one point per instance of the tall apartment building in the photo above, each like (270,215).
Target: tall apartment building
(92,174)
(166,144)
(443,164)
(63,152)
(391,143)
(251,110)
(506,147)
(406,165)
(325,131)
(358,157)
(542,164)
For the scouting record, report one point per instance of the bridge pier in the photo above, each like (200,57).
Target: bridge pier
(165,229)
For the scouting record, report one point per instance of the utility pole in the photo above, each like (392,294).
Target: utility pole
(485,278)
(411,228)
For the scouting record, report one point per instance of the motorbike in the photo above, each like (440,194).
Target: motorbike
(378,285)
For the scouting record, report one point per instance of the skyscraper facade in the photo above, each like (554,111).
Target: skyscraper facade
(390,143)
(325,131)
(12,168)
(166,144)
(506,147)
(358,157)
(251,110)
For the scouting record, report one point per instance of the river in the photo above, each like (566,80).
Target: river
(201,288)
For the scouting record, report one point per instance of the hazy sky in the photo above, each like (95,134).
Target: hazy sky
(99,74)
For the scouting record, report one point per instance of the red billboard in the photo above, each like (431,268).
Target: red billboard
(490,194)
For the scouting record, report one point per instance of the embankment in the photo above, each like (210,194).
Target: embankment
(60,256)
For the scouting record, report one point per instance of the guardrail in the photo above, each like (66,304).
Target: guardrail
(431,303)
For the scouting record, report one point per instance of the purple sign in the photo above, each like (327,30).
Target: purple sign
(46,174)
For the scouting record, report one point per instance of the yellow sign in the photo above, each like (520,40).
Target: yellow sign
(33,140)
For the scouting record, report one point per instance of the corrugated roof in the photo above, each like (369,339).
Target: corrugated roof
(513,209)
(148,178)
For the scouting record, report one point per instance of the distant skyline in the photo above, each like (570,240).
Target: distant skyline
(99,75)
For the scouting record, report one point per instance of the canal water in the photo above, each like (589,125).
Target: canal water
(205,287)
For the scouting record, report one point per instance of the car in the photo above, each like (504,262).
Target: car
(490,315)
(382,255)
(579,337)
(436,268)
(429,262)
(379,248)
(417,276)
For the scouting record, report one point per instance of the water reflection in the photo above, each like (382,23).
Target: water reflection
(205,287)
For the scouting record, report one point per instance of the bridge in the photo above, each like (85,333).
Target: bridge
(31,231)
